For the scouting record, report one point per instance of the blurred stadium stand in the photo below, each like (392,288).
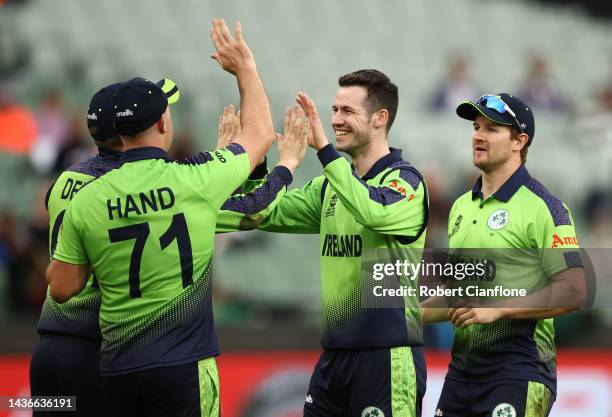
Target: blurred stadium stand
(77,46)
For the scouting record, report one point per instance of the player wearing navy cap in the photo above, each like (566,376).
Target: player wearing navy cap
(503,358)
(147,231)
(66,359)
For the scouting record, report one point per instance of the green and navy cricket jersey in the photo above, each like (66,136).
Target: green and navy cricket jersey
(147,230)
(386,208)
(521,214)
(77,317)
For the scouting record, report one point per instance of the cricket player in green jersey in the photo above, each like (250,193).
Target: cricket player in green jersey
(372,363)
(66,359)
(503,358)
(146,229)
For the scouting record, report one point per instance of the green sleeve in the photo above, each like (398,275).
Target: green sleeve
(70,247)
(396,207)
(556,237)
(299,211)
(244,211)
(219,172)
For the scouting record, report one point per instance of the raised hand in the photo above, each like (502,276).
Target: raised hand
(233,55)
(292,145)
(229,127)
(317,138)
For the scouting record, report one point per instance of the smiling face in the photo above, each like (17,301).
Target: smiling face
(351,119)
(493,145)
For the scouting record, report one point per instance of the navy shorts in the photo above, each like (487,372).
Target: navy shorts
(67,366)
(188,390)
(504,398)
(367,383)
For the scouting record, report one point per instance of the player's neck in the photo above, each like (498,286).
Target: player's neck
(494,179)
(142,141)
(364,159)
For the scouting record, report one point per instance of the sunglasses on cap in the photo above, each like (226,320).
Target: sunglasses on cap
(496,103)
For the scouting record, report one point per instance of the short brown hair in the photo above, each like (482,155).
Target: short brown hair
(381,92)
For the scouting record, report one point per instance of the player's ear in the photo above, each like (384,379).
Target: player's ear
(380,118)
(520,141)
(163,123)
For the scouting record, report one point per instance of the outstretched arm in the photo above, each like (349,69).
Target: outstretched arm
(396,207)
(234,56)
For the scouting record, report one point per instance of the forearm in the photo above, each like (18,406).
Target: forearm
(434,310)
(255,116)
(245,211)
(535,313)
(65,280)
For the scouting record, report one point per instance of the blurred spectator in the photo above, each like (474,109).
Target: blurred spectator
(53,128)
(539,89)
(17,125)
(14,55)
(603,95)
(24,256)
(13,256)
(76,147)
(456,87)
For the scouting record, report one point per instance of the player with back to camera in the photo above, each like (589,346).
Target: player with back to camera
(147,230)
(66,358)
(503,357)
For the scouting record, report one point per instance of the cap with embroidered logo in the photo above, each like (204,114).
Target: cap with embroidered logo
(502,108)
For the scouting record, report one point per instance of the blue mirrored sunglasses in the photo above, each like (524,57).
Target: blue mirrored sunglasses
(496,103)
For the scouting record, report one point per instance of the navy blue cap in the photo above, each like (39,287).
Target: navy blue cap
(138,105)
(524,116)
(100,114)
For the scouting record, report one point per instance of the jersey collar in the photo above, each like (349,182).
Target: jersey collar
(508,189)
(383,163)
(107,153)
(147,152)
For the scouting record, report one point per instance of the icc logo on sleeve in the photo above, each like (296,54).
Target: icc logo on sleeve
(498,219)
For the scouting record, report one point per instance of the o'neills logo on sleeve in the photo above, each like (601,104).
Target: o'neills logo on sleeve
(342,246)
(125,113)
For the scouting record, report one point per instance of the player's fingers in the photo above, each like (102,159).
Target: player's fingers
(312,106)
(305,132)
(237,125)
(470,321)
(300,100)
(299,122)
(224,32)
(238,30)
(287,119)
(280,138)
(214,35)
(220,127)
(458,312)
(293,117)
(459,320)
